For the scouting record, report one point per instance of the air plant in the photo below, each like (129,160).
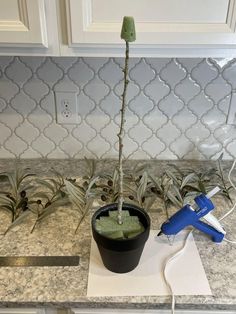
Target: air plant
(15,199)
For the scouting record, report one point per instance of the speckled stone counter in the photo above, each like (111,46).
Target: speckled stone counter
(66,286)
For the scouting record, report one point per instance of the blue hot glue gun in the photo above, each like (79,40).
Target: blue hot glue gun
(191,215)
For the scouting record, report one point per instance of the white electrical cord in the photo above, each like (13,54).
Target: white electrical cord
(167,262)
(234,187)
(230,241)
(178,253)
(234,206)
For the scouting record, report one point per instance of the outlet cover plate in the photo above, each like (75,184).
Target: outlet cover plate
(66,107)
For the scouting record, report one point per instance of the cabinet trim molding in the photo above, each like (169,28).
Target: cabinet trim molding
(98,38)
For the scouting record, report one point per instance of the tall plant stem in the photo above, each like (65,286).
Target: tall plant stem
(121,135)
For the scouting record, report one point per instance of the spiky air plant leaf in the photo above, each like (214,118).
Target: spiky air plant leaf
(14,198)
(48,197)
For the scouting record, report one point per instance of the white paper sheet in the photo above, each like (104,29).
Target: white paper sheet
(186,273)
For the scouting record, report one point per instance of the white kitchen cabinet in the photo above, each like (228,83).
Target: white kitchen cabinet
(28,27)
(22,311)
(164,27)
(34,311)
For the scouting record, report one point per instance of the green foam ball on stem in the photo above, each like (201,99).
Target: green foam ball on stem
(128,29)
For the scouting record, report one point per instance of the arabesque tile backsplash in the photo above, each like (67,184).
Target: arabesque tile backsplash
(177,108)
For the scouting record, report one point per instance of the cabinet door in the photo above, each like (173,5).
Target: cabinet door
(28,27)
(165,24)
(22,311)
(23,23)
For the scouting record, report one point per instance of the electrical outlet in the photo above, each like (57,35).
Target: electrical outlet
(66,107)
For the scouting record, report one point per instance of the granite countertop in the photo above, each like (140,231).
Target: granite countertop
(66,286)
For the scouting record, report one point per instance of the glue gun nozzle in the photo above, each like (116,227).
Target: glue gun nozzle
(160,233)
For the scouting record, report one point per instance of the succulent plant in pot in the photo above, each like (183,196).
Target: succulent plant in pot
(121,229)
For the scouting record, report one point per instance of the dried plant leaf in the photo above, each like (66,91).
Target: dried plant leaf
(178,194)
(149,202)
(41,195)
(6,200)
(172,176)
(18,220)
(23,177)
(173,199)
(202,187)
(91,166)
(141,168)
(47,185)
(91,184)
(186,179)
(142,187)
(75,196)
(180,171)
(155,182)
(52,208)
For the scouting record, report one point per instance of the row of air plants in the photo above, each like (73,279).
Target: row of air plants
(23,193)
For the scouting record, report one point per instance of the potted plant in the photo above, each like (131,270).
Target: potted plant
(121,229)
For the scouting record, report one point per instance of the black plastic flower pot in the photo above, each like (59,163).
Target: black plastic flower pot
(121,255)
